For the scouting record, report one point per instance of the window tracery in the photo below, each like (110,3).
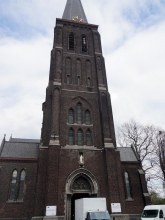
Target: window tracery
(17,185)
(81,183)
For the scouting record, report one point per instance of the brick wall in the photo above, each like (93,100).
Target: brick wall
(16,209)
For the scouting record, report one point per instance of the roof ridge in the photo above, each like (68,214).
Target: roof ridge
(2,144)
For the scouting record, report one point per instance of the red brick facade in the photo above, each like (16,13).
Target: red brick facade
(89,167)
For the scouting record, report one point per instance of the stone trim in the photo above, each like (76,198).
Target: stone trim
(141,171)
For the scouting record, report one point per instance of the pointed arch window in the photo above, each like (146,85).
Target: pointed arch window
(68,79)
(78,71)
(68,68)
(13,185)
(127,186)
(80,137)
(79,113)
(78,80)
(88,138)
(71,137)
(71,116)
(89,81)
(71,41)
(84,43)
(88,73)
(87,117)
(81,183)
(21,185)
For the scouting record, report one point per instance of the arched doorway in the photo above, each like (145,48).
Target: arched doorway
(80,184)
(73,198)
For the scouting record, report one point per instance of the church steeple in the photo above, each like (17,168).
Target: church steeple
(74,11)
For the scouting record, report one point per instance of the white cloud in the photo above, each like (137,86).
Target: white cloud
(24,77)
(133,47)
(136,75)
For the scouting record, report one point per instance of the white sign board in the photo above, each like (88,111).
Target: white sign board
(51,210)
(116,207)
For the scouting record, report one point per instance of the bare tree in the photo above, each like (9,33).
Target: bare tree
(160,152)
(149,144)
(140,137)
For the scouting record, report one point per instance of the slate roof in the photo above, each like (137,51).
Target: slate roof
(127,154)
(74,8)
(20,148)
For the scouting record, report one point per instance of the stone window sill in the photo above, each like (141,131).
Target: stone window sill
(129,200)
(14,202)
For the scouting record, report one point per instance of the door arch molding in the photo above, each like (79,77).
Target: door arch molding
(79,181)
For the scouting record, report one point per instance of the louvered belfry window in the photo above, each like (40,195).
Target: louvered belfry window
(84,43)
(71,41)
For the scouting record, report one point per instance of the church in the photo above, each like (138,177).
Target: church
(76,156)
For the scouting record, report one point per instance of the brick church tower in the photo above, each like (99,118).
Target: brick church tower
(77,154)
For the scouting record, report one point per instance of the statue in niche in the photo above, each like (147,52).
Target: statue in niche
(81,159)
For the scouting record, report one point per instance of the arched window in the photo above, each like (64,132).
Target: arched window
(71,137)
(88,137)
(79,113)
(78,80)
(71,116)
(87,117)
(89,81)
(84,43)
(21,185)
(80,137)
(78,71)
(68,79)
(13,185)
(81,183)
(88,73)
(68,68)
(71,41)
(127,185)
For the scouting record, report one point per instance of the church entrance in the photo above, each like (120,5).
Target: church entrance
(80,184)
(75,197)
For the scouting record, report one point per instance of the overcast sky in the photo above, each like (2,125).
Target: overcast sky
(133,42)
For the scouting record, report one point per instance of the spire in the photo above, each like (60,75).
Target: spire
(74,11)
